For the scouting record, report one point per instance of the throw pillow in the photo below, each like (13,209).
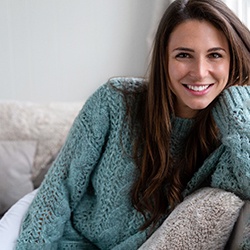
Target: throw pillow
(16,160)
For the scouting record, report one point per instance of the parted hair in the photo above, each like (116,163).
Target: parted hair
(162,178)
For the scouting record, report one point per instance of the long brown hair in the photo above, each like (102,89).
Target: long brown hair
(160,185)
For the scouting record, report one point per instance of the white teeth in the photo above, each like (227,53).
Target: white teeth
(197,88)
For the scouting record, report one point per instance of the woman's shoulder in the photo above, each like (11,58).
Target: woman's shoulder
(115,94)
(115,89)
(127,84)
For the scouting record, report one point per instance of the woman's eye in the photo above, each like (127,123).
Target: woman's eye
(215,55)
(183,55)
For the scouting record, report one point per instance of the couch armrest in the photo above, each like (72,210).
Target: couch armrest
(204,220)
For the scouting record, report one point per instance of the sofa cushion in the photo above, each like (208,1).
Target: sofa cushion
(16,160)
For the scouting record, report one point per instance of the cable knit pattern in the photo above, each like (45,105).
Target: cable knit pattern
(232,115)
(229,165)
(84,201)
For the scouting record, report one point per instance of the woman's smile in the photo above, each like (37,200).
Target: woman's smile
(198,89)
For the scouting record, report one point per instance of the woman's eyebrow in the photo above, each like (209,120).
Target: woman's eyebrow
(184,49)
(191,50)
(216,49)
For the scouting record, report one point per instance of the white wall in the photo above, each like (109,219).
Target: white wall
(62,50)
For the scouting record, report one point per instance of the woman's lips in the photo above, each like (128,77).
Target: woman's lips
(198,89)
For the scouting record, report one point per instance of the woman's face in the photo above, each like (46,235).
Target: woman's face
(198,65)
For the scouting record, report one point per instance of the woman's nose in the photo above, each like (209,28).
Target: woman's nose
(200,68)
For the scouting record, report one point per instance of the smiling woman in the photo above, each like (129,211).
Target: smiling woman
(140,146)
(198,65)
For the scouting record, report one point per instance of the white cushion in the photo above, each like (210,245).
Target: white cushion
(10,224)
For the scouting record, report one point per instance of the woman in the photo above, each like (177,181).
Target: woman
(139,146)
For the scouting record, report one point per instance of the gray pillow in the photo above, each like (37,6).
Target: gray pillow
(16,160)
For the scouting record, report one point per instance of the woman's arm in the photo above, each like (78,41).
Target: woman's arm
(232,116)
(68,178)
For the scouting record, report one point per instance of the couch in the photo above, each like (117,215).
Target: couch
(31,135)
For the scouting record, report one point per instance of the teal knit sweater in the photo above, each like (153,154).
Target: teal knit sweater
(84,201)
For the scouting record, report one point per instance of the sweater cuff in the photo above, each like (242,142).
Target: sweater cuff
(36,246)
(232,110)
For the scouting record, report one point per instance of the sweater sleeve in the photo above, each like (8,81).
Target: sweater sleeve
(68,178)
(232,116)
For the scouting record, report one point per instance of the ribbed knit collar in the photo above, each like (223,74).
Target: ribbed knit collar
(181,126)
